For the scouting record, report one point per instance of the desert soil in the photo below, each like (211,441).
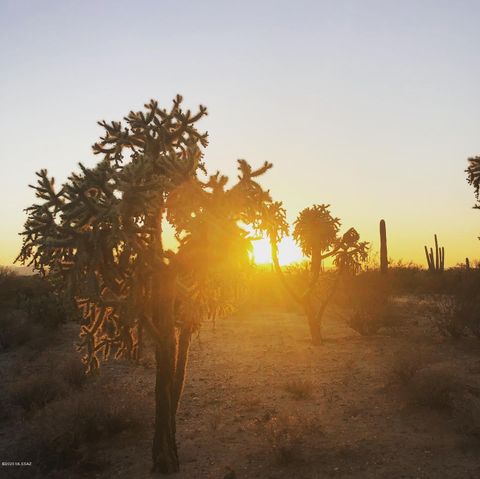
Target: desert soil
(240,417)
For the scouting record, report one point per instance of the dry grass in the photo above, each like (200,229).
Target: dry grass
(300,389)
(289,438)
(65,432)
(35,392)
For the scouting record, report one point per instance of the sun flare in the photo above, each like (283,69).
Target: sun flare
(288,251)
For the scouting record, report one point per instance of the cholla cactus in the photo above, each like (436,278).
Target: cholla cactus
(317,233)
(101,236)
(473,177)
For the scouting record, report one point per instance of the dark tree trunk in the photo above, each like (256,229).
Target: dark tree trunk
(315,315)
(164,450)
(182,360)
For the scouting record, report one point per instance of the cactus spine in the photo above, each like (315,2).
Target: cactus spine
(435,263)
(383,247)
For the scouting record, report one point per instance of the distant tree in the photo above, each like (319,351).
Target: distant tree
(317,233)
(100,238)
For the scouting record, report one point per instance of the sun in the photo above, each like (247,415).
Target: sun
(288,251)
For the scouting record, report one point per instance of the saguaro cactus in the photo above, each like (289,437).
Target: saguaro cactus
(383,247)
(435,263)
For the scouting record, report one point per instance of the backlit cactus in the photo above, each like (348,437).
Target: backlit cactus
(436,263)
(383,247)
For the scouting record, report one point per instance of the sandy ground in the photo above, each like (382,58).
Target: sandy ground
(239,419)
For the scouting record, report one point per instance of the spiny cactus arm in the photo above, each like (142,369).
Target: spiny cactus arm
(156,131)
(272,222)
(326,300)
(247,173)
(427,255)
(352,252)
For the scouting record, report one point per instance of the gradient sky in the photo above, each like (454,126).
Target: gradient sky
(371,106)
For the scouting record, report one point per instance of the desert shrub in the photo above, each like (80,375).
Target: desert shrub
(14,288)
(300,388)
(65,432)
(46,310)
(412,279)
(448,316)
(458,313)
(369,303)
(36,391)
(288,437)
(15,329)
(28,310)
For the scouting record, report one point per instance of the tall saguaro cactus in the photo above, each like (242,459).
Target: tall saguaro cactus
(436,263)
(383,247)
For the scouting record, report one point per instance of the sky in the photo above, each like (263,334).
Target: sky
(371,106)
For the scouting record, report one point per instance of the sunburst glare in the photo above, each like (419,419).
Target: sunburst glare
(288,251)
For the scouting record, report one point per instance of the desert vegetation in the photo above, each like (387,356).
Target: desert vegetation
(96,345)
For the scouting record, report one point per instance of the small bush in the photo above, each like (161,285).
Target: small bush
(46,310)
(65,432)
(369,302)
(15,330)
(300,389)
(36,391)
(448,316)
(292,438)
(457,313)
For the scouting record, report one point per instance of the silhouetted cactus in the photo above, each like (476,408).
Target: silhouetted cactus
(101,236)
(383,247)
(436,263)
(316,232)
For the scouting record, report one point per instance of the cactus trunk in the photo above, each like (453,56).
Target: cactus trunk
(383,247)
(435,260)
